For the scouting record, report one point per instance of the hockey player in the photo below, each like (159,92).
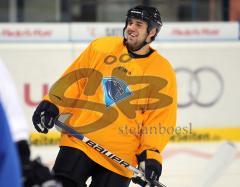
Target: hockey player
(33,171)
(119,92)
(9,163)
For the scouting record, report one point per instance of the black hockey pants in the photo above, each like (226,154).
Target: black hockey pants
(73,167)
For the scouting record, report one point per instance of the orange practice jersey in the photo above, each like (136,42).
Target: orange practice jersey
(126,105)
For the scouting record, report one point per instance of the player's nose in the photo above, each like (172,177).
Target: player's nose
(132,27)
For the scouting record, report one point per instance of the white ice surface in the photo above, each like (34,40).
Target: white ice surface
(182,163)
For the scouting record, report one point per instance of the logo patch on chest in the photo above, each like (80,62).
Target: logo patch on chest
(115,90)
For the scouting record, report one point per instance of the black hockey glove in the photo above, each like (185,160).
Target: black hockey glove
(43,117)
(33,171)
(151,168)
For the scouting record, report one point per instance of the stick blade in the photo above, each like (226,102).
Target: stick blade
(217,165)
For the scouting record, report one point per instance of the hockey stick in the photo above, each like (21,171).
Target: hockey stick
(216,166)
(60,122)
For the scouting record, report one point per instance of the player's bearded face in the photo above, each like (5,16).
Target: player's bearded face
(135,34)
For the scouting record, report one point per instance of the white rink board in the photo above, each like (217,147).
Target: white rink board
(85,32)
(182,163)
(35,67)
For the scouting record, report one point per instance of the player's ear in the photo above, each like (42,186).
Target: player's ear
(151,34)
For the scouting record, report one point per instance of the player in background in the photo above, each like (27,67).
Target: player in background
(33,172)
(119,92)
(10,172)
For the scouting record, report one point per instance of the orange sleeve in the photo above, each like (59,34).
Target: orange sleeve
(72,82)
(158,125)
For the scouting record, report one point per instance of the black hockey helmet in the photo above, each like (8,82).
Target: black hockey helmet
(148,14)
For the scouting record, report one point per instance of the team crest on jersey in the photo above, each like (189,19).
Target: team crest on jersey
(115,90)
